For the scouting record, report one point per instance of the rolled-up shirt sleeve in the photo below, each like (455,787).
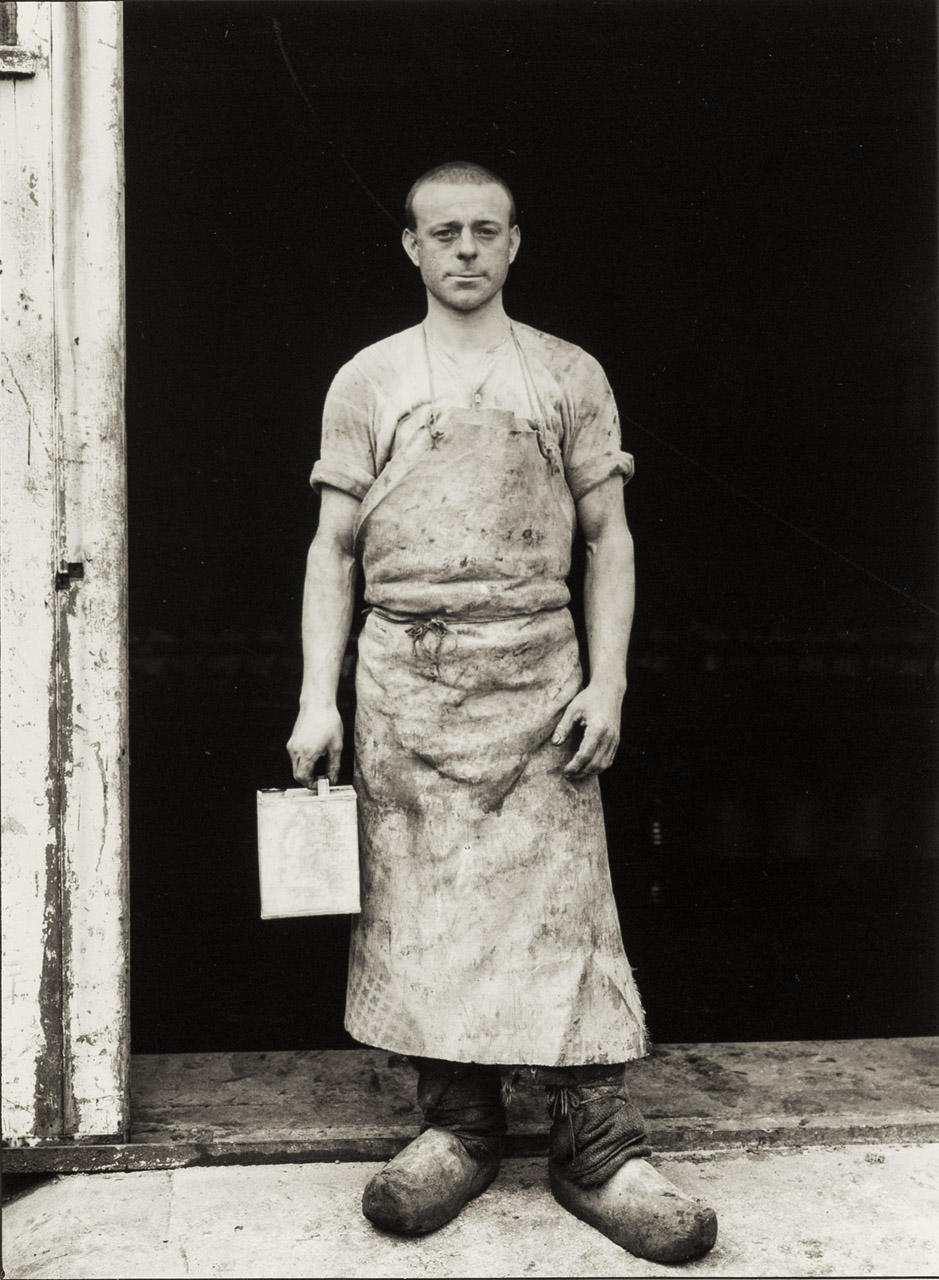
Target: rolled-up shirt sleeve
(347,454)
(592,450)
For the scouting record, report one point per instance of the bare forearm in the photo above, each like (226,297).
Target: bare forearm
(609,601)
(328,597)
(609,590)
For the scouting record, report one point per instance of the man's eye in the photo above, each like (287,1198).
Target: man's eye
(487,233)
(444,235)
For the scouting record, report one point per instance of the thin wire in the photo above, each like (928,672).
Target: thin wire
(278,36)
(789,524)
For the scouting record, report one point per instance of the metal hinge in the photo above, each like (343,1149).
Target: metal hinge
(72,572)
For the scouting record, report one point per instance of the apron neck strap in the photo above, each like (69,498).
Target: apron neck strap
(535,403)
(430,378)
(531,388)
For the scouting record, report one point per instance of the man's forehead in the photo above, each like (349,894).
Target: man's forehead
(461,202)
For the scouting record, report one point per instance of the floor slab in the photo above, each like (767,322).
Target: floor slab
(219,1108)
(863,1210)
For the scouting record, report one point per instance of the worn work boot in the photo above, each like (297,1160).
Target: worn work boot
(598,1171)
(641,1211)
(426,1184)
(454,1158)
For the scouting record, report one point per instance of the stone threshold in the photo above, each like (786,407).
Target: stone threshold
(358,1104)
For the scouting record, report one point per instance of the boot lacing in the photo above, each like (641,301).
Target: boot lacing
(561,1104)
(565,1099)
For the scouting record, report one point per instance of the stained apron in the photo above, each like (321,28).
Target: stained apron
(488,930)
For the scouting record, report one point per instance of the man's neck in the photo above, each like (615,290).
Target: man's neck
(466,332)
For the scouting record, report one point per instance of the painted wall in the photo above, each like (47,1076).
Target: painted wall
(64,727)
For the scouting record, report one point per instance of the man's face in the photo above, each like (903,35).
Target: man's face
(463,243)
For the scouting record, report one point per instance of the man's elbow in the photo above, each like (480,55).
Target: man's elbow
(611,542)
(330,552)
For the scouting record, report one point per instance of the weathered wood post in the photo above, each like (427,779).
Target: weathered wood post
(64,571)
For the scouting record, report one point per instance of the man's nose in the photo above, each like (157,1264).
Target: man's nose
(466,245)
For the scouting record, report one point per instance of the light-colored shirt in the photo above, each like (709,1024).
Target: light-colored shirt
(384,394)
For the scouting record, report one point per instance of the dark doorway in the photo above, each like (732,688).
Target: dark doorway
(732,206)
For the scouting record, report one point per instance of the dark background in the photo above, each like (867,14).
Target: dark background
(732,205)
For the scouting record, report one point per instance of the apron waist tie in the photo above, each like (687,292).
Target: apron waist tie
(424,622)
(427,637)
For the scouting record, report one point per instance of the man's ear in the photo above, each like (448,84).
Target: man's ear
(409,240)
(515,239)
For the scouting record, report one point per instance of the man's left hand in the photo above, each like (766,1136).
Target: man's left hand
(598,710)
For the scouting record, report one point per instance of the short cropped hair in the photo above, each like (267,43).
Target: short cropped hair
(458,171)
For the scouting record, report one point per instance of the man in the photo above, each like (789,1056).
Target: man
(456,458)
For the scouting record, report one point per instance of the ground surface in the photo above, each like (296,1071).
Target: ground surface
(858,1210)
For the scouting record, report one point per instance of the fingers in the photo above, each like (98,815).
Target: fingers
(304,767)
(594,754)
(589,746)
(572,715)
(305,762)
(605,759)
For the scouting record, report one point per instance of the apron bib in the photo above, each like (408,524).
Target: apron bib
(488,930)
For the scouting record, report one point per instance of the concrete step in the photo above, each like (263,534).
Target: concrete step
(354,1105)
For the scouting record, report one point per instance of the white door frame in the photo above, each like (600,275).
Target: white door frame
(65,910)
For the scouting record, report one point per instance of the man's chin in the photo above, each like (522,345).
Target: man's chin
(462,297)
(466,299)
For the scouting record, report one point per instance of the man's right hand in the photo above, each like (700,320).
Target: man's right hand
(317,733)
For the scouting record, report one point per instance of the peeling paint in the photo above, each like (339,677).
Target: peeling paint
(32,1023)
(92,612)
(64,736)
(65,901)
(29,408)
(49,1064)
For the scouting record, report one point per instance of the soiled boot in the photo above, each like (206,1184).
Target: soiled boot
(454,1158)
(598,1171)
(641,1211)
(426,1185)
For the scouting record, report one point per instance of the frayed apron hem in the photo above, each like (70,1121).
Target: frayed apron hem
(457,1054)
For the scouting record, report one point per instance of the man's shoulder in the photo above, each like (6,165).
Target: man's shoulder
(384,356)
(557,354)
